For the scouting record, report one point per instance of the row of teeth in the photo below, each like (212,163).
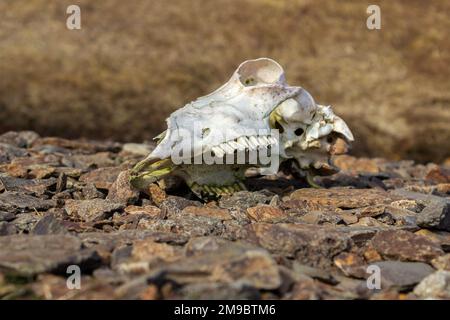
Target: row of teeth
(219,190)
(243,144)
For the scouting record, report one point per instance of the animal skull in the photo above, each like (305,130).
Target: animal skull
(238,119)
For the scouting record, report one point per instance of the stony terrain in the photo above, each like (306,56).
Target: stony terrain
(67,202)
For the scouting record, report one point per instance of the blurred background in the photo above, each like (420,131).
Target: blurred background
(134,62)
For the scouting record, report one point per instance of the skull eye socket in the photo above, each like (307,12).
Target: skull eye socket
(299,132)
(330,139)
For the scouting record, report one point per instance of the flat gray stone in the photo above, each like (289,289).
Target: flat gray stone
(435,215)
(32,254)
(402,275)
(19,202)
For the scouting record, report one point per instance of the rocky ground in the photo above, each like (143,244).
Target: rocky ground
(66,202)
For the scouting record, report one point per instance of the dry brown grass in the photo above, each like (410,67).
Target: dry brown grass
(134,62)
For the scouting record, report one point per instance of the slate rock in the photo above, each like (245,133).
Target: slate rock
(405,246)
(25,222)
(245,199)
(138,148)
(92,210)
(36,186)
(49,224)
(121,190)
(343,198)
(187,225)
(402,275)
(216,291)
(351,264)
(173,205)
(32,254)
(209,212)
(102,178)
(9,152)
(265,213)
(7,228)
(18,202)
(6,216)
(434,286)
(231,263)
(19,139)
(436,213)
(442,262)
(310,244)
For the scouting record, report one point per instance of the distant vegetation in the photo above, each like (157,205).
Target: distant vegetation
(134,62)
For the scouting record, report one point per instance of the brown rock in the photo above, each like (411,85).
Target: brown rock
(20,139)
(221,214)
(371,255)
(89,192)
(369,222)
(121,191)
(75,145)
(150,293)
(351,264)
(309,289)
(92,210)
(265,213)
(438,174)
(17,202)
(9,152)
(49,224)
(102,178)
(231,263)
(439,237)
(405,245)
(151,211)
(36,186)
(53,287)
(173,205)
(146,250)
(319,217)
(348,218)
(87,161)
(434,286)
(41,172)
(357,165)
(157,194)
(310,244)
(344,198)
(442,262)
(28,255)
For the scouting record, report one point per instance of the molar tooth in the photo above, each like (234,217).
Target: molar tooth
(218,152)
(235,145)
(227,148)
(228,189)
(266,140)
(243,141)
(262,141)
(241,186)
(207,189)
(272,140)
(253,142)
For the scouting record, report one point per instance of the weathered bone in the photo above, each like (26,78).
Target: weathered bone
(256,98)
